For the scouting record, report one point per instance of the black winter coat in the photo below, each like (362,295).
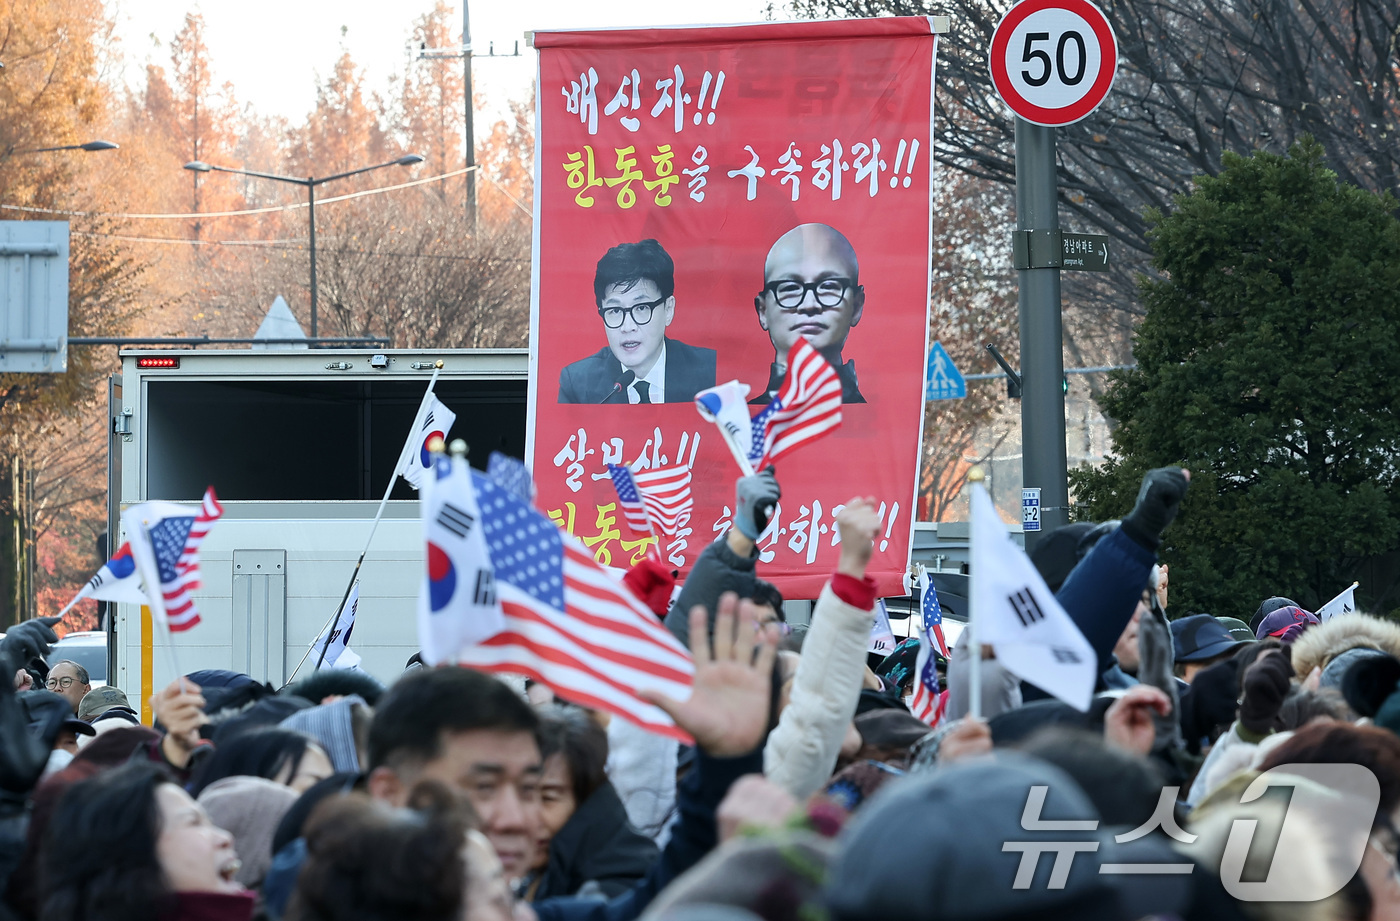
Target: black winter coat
(597,851)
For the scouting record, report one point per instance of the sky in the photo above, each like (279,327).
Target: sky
(274,51)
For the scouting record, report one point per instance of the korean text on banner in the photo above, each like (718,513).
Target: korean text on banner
(705,198)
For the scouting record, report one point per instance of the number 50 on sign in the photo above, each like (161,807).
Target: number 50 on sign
(1053,61)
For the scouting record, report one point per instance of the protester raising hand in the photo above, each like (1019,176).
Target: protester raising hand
(858,524)
(727,711)
(1128,723)
(180,709)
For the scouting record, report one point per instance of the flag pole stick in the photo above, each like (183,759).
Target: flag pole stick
(334,619)
(69,606)
(174,659)
(974,650)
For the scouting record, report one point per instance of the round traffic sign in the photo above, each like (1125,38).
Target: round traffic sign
(1053,61)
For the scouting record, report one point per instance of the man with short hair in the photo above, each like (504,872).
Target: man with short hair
(811,290)
(69,680)
(634,289)
(470,731)
(1200,641)
(467,730)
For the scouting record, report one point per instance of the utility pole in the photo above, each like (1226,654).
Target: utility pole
(470,111)
(1046,93)
(1044,464)
(426,53)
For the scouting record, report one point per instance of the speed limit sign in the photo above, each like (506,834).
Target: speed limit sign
(1053,61)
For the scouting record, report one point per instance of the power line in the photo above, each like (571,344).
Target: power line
(280,244)
(201,215)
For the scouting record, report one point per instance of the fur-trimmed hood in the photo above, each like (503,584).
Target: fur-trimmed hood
(1321,644)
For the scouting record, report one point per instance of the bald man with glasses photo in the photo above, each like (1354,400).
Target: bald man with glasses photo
(812,290)
(634,290)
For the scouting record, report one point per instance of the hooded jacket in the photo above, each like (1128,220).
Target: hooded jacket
(717,570)
(1322,643)
(597,846)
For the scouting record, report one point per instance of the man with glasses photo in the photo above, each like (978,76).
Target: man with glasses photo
(634,289)
(811,288)
(69,680)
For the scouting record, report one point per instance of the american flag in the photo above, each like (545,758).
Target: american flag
(569,624)
(656,501)
(928,702)
(630,498)
(808,405)
(175,539)
(510,474)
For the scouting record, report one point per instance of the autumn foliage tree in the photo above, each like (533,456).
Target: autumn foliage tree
(52,94)
(403,263)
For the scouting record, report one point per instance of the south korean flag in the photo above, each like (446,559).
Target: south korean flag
(457,606)
(434,420)
(1014,612)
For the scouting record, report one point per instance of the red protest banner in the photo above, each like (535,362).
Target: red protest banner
(703,197)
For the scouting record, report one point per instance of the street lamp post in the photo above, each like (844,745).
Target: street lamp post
(309,183)
(89,146)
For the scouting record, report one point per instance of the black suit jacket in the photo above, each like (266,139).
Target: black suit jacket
(689,370)
(850,389)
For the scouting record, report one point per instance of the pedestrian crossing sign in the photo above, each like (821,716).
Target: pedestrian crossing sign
(942,380)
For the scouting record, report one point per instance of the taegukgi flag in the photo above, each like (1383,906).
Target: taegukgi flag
(728,408)
(1016,613)
(117,580)
(1345,603)
(434,420)
(457,605)
(335,644)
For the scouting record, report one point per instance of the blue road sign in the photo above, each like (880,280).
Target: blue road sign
(942,380)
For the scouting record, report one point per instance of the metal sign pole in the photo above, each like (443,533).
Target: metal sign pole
(1044,463)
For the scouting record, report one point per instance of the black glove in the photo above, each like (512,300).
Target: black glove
(755,497)
(1208,705)
(1158,500)
(29,723)
(30,640)
(1265,686)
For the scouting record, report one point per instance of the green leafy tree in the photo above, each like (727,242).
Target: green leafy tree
(1268,363)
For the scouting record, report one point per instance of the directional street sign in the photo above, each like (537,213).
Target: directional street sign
(1087,251)
(1053,61)
(942,380)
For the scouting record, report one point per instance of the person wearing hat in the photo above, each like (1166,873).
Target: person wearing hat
(1200,641)
(105,703)
(1287,623)
(1267,607)
(957,823)
(1238,629)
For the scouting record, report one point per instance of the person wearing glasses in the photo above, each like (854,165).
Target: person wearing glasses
(634,289)
(69,680)
(811,288)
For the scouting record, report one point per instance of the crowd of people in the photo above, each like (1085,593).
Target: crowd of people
(1225,770)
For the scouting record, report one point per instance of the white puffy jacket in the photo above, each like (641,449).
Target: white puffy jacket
(801,752)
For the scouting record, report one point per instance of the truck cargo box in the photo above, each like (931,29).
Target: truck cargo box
(299,445)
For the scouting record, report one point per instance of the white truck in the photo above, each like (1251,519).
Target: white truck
(299,446)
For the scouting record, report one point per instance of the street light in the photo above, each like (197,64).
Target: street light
(309,183)
(89,146)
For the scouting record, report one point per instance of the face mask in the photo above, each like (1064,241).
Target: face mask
(909,700)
